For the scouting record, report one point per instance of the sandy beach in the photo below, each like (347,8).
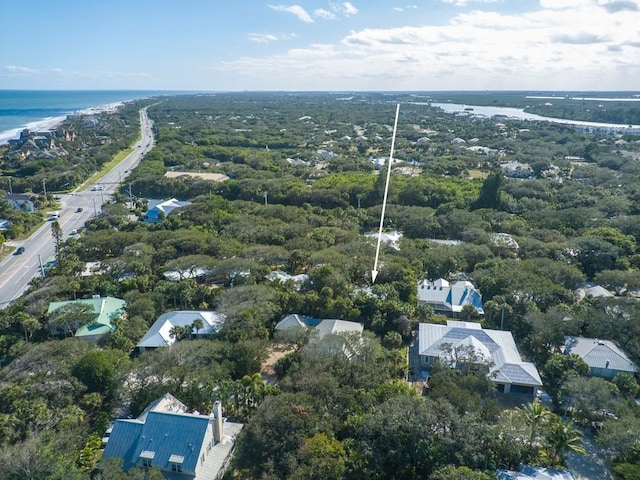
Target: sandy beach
(52,122)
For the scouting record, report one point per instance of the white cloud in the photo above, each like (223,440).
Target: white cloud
(406,7)
(18,70)
(584,47)
(347,9)
(464,3)
(563,4)
(269,37)
(296,10)
(614,6)
(322,13)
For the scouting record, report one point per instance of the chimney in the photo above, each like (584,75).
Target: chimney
(217,421)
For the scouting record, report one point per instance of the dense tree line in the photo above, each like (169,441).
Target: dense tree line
(573,223)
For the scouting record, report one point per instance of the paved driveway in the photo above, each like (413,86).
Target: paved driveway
(594,465)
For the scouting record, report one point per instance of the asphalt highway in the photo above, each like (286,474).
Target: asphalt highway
(17,270)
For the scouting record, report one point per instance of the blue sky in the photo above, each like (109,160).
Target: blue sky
(229,45)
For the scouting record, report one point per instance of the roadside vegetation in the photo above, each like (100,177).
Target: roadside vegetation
(304,186)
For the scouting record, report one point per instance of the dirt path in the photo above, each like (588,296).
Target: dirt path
(276,352)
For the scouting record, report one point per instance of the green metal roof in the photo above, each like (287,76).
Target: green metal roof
(104,309)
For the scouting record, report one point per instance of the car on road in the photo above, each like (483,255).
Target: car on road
(80,209)
(19,251)
(73,232)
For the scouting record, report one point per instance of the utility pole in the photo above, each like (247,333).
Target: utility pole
(265,194)
(44,187)
(130,196)
(95,212)
(504,305)
(10,189)
(41,266)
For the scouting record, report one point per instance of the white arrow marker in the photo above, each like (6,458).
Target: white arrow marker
(374,272)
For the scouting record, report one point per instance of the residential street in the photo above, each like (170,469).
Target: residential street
(17,271)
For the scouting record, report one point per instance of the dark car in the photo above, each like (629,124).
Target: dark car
(19,251)
(80,209)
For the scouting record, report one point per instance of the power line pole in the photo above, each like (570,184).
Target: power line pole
(44,187)
(10,189)
(41,266)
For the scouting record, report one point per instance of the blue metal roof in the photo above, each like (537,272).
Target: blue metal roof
(163,433)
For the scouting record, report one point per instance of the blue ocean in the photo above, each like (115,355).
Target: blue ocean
(36,109)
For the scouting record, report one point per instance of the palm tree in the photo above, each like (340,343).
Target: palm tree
(197,325)
(563,436)
(253,388)
(536,415)
(180,333)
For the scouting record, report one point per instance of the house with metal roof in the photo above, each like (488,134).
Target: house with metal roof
(22,201)
(105,309)
(159,335)
(161,209)
(282,277)
(595,291)
(449,298)
(183,446)
(295,320)
(535,473)
(391,238)
(328,336)
(604,358)
(458,342)
(333,337)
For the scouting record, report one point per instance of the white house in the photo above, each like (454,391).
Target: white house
(391,238)
(161,209)
(159,335)
(535,473)
(449,299)
(283,277)
(604,358)
(332,337)
(458,342)
(329,336)
(295,320)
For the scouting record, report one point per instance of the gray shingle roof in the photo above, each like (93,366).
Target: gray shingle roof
(599,353)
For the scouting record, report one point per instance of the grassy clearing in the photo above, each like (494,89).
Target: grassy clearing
(478,174)
(106,168)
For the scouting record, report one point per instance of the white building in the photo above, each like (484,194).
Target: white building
(391,238)
(449,299)
(458,342)
(159,335)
